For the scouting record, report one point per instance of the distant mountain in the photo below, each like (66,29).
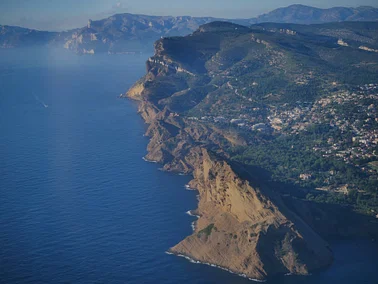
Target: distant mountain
(16,36)
(121,33)
(300,14)
(130,33)
(124,33)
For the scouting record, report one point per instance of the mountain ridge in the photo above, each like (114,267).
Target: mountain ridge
(302,14)
(123,33)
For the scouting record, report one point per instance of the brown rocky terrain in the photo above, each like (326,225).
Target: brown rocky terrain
(245,229)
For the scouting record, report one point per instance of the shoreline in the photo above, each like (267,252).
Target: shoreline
(191,214)
(187,186)
(193,224)
(215,266)
(149,161)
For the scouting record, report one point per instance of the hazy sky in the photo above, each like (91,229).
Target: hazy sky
(66,14)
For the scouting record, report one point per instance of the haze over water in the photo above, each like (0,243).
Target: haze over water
(77,202)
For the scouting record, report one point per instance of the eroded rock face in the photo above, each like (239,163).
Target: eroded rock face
(242,229)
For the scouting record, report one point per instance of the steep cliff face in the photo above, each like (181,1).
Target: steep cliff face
(241,227)
(245,229)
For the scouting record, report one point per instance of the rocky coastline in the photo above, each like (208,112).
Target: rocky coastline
(242,228)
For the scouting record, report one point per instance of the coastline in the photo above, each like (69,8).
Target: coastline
(216,266)
(198,184)
(148,161)
(215,211)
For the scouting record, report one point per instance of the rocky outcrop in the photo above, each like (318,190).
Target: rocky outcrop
(241,228)
(367,48)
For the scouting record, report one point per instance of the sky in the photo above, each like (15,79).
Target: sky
(67,14)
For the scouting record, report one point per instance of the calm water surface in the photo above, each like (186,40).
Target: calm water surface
(77,202)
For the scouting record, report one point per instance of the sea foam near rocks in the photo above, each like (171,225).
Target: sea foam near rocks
(191,214)
(146,160)
(187,187)
(213,265)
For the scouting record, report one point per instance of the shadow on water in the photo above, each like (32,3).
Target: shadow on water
(353,237)
(354,262)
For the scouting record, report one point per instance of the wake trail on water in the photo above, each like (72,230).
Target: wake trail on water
(40,101)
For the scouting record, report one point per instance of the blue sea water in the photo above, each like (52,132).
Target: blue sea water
(77,202)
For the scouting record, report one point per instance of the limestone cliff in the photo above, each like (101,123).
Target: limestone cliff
(243,229)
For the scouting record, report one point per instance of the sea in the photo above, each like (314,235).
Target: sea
(78,204)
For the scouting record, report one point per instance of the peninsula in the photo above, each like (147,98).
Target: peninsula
(236,108)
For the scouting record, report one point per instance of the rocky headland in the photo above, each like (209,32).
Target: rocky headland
(244,225)
(241,227)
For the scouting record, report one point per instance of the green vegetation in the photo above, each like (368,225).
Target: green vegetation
(374,165)
(206,231)
(361,202)
(286,158)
